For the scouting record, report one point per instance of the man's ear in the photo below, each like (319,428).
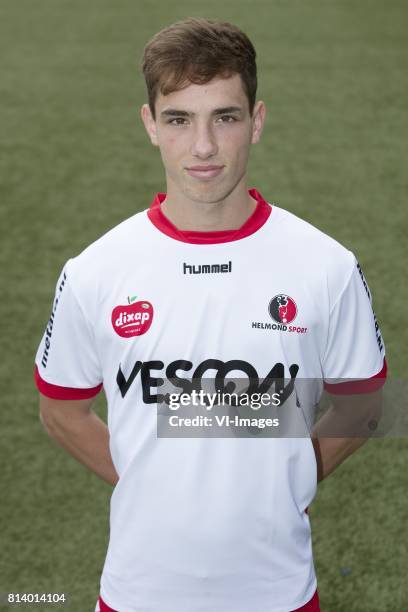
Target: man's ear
(149,123)
(258,120)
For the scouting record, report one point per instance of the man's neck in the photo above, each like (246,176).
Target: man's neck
(193,215)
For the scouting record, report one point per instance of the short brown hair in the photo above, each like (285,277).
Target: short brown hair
(196,50)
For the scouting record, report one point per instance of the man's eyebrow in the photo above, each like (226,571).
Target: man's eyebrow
(173,112)
(226,110)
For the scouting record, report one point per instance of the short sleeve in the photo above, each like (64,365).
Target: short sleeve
(66,364)
(354,360)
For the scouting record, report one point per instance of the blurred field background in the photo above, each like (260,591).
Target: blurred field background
(75,161)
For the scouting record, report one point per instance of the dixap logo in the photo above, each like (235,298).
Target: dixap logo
(132,319)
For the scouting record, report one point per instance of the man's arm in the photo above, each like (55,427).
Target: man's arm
(75,427)
(354,418)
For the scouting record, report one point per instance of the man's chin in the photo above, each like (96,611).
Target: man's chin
(206,193)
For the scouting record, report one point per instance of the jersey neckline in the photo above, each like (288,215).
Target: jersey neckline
(251,225)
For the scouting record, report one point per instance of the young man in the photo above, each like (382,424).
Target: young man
(203,284)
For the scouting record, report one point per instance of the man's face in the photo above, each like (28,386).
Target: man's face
(204,133)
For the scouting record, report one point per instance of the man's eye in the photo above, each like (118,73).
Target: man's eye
(177,121)
(228,119)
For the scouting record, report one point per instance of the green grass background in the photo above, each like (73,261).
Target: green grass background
(75,161)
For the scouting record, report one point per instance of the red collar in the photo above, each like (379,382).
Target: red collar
(251,225)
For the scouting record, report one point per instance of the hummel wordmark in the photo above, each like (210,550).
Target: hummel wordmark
(207,269)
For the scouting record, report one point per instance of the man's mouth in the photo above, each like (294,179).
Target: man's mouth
(204,172)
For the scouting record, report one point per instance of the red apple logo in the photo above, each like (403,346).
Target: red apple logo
(133,319)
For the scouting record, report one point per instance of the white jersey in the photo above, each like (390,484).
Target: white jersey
(208,524)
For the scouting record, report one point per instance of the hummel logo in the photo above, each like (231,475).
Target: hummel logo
(207,269)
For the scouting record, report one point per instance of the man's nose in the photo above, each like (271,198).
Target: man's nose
(204,142)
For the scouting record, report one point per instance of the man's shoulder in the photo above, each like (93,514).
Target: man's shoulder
(121,237)
(304,231)
(305,239)
(105,255)
(318,256)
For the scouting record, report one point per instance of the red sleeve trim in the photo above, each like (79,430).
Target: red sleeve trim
(351,387)
(63,393)
(103,607)
(311,606)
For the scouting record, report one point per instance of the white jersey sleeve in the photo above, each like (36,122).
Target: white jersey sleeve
(354,360)
(67,366)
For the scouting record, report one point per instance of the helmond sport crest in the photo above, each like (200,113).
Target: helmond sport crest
(282,309)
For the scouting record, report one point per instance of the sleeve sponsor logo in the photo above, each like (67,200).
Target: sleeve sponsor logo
(363,280)
(132,319)
(380,342)
(50,324)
